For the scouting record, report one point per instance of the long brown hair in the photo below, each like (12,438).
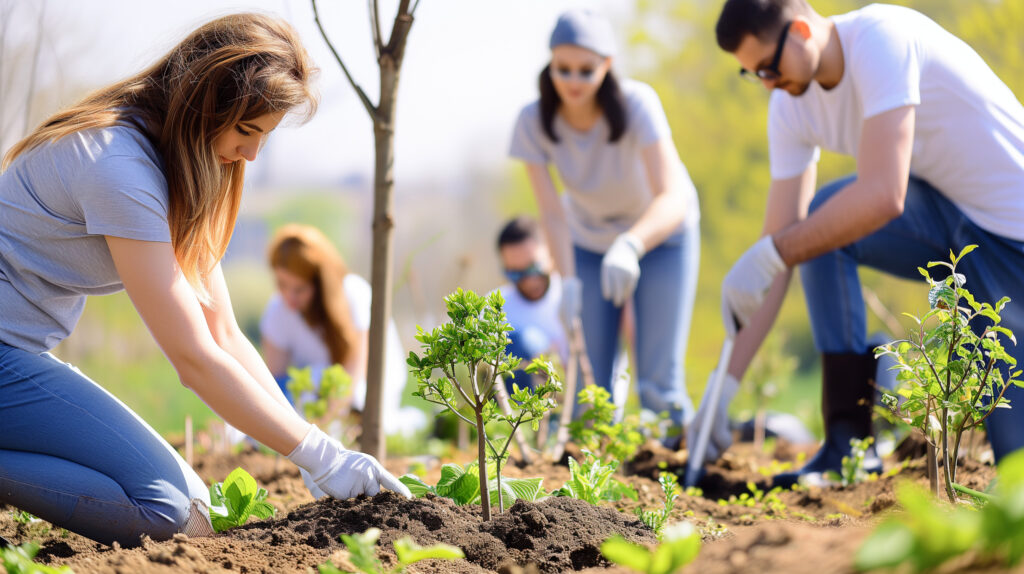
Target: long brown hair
(305,252)
(235,68)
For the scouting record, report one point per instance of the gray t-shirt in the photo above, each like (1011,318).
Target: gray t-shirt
(606,184)
(57,202)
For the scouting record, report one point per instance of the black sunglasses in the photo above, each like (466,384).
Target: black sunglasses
(771,73)
(517,275)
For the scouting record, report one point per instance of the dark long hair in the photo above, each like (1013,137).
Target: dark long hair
(609,97)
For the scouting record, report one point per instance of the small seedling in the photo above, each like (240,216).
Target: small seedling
(362,550)
(657,519)
(597,431)
(853,465)
(592,482)
(928,533)
(679,545)
(769,374)
(461,363)
(22,517)
(953,378)
(236,499)
(18,560)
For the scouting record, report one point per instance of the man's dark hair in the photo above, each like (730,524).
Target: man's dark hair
(609,98)
(762,19)
(518,230)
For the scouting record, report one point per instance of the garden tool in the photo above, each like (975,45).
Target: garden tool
(696,458)
(579,363)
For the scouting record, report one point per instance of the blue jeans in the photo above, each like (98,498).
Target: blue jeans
(74,455)
(928,229)
(664,306)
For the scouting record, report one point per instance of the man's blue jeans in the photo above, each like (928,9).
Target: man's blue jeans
(928,229)
(72,454)
(663,301)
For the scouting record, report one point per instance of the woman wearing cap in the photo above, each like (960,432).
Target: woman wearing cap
(137,187)
(626,227)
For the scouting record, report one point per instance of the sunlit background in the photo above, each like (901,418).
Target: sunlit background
(470,66)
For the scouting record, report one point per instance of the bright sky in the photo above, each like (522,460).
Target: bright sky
(470,66)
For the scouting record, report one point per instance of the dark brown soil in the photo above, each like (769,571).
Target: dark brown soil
(812,531)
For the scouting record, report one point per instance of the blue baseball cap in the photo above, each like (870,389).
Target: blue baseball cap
(586,29)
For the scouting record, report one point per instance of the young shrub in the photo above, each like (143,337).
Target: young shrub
(679,545)
(362,550)
(597,431)
(657,519)
(473,343)
(853,465)
(335,383)
(592,481)
(952,376)
(18,560)
(236,499)
(768,375)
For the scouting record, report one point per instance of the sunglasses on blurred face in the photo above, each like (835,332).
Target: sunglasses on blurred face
(585,74)
(517,275)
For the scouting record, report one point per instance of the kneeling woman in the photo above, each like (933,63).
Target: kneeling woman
(138,187)
(320,316)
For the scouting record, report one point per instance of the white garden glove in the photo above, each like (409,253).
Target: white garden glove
(745,285)
(721,435)
(572,302)
(339,472)
(620,268)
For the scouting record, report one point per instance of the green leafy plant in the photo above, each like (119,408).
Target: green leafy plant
(596,430)
(755,497)
(853,465)
(236,499)
(461,484)
(472,344)
(362,550)
(657,519)
(679,545)
(335,383)
(952,377)
(592,481)
(22,517)
(18,560)
(928,533)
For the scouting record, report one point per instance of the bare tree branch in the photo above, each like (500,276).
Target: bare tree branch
(378,45)
(370,108)
(412,12)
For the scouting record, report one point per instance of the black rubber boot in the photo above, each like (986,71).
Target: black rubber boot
(847,400)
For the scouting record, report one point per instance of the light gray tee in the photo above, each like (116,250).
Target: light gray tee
(606,185)
(57,202)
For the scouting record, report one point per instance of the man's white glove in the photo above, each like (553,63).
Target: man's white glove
(620,268)
(339,472)
(745,285)
(572,302)
(721,434)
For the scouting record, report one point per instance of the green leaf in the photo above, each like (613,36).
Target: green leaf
(625,553)
(416,486)
(410,553)
(890,545)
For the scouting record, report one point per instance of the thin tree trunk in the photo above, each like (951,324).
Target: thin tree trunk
(381,276)
(481,443)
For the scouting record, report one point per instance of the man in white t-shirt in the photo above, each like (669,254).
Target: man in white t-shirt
(533,295)
(939,144)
